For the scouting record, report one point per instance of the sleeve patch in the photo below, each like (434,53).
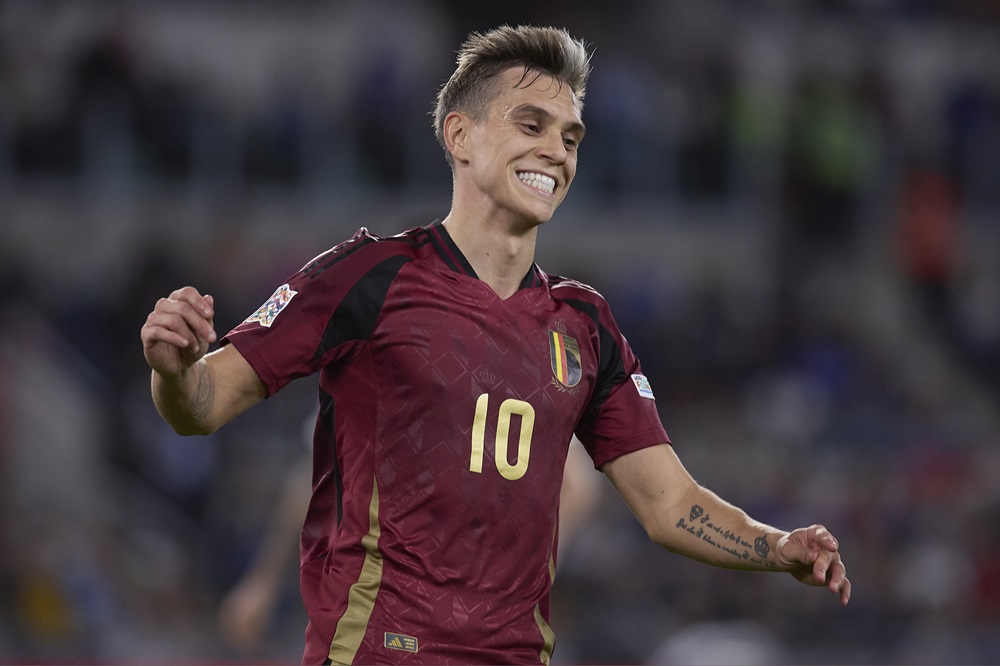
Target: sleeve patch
(267,313)
(642,386)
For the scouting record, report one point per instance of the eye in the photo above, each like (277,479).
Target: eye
(530,128)
(570,143)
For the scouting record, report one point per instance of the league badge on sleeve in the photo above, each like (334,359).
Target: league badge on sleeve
(267,313)
(642,386)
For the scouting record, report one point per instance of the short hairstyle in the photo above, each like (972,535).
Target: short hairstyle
(482,56)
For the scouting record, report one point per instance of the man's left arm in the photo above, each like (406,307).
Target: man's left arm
(687,518)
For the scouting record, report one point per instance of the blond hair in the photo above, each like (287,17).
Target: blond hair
(482,56)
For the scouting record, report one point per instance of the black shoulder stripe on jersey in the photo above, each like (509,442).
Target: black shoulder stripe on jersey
(356,315)
(326,417)
(611,371)
(328,259)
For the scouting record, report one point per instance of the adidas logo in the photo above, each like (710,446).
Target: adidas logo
(400,642)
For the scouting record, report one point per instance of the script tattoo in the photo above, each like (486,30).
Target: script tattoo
(699,524)
(201,401)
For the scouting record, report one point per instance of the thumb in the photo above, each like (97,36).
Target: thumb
(791,551)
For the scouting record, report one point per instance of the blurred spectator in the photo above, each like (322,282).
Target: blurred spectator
(830,160)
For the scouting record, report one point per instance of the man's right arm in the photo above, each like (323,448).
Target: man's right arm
(195,392)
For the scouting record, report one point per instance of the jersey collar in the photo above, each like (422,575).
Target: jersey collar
(456,261)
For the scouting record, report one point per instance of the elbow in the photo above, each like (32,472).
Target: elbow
(662,534)
(191,428)
(185,424)
(662,521)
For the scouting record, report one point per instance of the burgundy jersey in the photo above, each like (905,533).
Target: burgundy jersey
(446,414)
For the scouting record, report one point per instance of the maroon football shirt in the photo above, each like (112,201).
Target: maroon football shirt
(445,418)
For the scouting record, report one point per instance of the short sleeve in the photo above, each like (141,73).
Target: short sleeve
(321,314)
(622,415)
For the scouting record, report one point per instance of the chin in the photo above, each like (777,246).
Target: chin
(535,213)
(541,214)
(537,220)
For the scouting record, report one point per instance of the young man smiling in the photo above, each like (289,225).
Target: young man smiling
(453,373)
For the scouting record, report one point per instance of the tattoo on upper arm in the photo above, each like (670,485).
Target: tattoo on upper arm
(201,401)
(699,524)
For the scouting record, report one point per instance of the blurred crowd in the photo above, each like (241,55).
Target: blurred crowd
(792,207)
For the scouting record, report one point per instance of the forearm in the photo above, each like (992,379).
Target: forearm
(687,518)
(706,528)
(208,393)
(186,400)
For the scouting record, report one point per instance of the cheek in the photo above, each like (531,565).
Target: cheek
(570,169)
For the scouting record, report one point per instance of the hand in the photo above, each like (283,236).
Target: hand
(812,556)
(178,331)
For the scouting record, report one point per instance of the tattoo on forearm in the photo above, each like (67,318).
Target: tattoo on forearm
(760,547)
(699,524)
(201,401)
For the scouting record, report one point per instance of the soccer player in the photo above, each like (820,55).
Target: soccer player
(453,373)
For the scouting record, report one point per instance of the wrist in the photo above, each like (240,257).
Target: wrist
(778,559)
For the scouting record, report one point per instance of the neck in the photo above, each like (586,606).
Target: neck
(500,254)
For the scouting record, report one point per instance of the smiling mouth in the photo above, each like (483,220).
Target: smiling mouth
(538,181)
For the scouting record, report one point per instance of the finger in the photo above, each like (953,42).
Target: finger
(845,592)
(152,333)
(836,576)
(187,293)
(839,583)
(830,571)
(792,552)
(822,537)
(204,304)
(193,316)
(171,328)
(824,567)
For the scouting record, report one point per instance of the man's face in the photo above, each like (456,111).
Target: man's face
(523,154)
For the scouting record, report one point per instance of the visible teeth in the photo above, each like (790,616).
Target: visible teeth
(539,181)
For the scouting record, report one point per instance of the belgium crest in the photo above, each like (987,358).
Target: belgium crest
(564,353)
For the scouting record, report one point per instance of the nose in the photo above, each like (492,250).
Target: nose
(553,148)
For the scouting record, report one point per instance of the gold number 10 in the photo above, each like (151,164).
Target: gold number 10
(508,408)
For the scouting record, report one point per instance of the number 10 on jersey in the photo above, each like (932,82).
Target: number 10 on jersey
(508,408)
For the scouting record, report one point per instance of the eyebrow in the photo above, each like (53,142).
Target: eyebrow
(531,110)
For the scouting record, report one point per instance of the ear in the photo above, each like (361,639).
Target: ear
(456,135)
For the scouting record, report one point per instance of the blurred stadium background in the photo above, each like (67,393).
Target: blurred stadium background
(793,207)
